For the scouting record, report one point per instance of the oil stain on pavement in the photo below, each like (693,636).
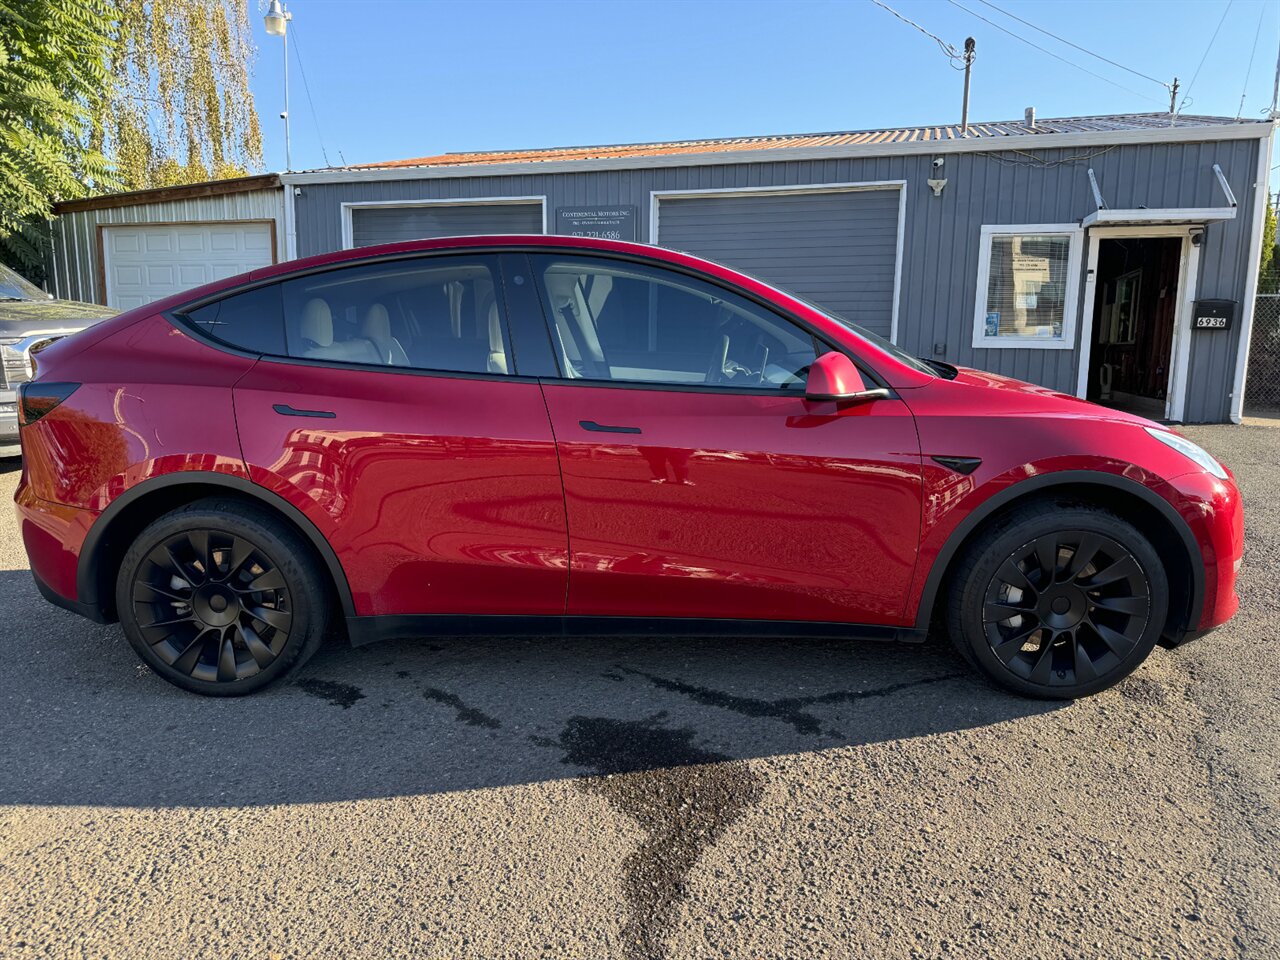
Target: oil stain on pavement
(342,695)
(682,796)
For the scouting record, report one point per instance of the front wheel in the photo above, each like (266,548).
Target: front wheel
(1058,600)
(221,597)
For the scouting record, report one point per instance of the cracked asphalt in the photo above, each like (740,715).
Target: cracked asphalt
(656,798)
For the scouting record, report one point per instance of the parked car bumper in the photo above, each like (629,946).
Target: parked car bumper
(1214,512)
(53,535)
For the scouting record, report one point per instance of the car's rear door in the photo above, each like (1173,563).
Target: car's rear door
(398,422)
(699,481)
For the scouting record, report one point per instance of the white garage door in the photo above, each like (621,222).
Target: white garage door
(146,262)
(837,248)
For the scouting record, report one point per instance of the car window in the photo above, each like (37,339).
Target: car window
(440,313)
(249,320)
(614,320)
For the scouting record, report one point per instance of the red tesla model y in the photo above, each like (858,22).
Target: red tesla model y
(548,434)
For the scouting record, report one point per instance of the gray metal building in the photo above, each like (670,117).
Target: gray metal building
(1110,257)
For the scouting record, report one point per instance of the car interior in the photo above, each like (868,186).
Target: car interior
(619,324)
(434,318)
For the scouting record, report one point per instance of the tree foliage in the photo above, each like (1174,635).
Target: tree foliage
(1269,268)
(53,77)
(180,110)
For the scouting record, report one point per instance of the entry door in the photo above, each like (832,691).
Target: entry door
(397,423)
(699,482)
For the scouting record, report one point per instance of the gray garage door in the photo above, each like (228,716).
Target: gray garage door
(837,249)
(370,225)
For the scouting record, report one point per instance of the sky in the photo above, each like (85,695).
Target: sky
(391,79)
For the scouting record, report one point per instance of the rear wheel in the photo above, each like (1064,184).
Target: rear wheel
(1058,600)
(221,598)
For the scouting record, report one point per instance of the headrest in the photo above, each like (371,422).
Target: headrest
(317,322)
(377,324)
(562,288)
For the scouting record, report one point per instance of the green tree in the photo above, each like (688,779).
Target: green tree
(1269,269)
(53,75)
(180,110)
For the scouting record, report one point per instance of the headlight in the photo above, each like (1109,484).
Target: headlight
(17,365)
(1195,454)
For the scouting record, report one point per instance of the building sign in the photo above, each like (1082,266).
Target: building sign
(1030,268)
(603,223)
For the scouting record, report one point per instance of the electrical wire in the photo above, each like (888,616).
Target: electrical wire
(315,117)
(1186,98)
(952,53)
(1076,46)
(1262,9)
(1070,63)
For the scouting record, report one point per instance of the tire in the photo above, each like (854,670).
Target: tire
(260,613)
(1036,620)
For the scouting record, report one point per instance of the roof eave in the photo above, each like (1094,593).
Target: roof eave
(1251,130)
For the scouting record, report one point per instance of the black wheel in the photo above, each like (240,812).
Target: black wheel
(221,597)
(1058,600)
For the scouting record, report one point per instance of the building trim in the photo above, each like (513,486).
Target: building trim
(1253,264)
(1070,300)
(1037,141)
(1172,215)
(1175,408)
(348,207)
(189,191)
(861,186)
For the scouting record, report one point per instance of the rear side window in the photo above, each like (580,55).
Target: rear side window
(251,320)
(434,313)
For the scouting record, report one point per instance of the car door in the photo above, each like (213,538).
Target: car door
(699,481)
(392,415)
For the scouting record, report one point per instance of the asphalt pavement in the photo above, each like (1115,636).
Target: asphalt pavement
(643,798)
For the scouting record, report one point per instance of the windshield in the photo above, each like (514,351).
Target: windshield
(14,287)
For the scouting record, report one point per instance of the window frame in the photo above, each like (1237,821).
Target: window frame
(818,339)
(1071,295)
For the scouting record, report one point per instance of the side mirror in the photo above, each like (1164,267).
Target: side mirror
(834,377)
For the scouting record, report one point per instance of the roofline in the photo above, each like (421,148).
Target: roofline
(186,191)
(1249,130)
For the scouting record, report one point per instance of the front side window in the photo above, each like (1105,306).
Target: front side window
(440,313)
(1027,283)
(614,320)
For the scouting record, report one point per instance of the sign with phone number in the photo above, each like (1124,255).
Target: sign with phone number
(602,223)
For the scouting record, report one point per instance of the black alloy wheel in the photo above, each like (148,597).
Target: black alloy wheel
(222,597)
(1058,600)
(1066,608)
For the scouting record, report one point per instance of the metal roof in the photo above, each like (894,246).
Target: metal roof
(995,132)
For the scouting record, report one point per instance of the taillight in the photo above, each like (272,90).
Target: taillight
(37,399)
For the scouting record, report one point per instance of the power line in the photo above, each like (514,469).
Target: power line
(1186,98)
(952,53)
(1262,8)
(1070,63)
(315,117)
(1076,46)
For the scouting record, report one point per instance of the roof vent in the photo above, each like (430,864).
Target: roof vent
(1029,118)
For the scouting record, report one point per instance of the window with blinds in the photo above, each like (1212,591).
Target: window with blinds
(1027,285)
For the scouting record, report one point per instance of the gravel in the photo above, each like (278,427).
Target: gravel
(657,798)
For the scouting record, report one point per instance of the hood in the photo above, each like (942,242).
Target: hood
(1014,397)
(29,318)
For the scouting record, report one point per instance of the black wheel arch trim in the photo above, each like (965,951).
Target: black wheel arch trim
(87,568)
(1043,484)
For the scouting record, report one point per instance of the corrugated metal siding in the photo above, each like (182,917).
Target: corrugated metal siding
(837,249)
(388,224)
(71,266)
(939,273)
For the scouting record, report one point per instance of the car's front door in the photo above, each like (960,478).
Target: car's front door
(699,481)
(398,423)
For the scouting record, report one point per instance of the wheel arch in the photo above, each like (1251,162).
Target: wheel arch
(109,537)
(1152,514)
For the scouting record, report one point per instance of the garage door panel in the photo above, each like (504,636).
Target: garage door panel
(147,262)
(394,224)
(838,249)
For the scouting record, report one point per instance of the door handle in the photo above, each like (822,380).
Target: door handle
(605,428)
(285,410)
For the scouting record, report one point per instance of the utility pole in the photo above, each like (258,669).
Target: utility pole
(968,66)
(1173,96)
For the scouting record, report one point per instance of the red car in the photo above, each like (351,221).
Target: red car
(549,434)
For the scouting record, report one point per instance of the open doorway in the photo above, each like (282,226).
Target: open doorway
(1134,312)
